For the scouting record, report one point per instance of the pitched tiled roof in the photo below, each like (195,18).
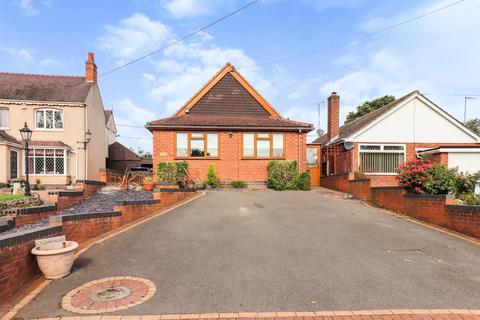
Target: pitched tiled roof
(352,127)
(228,96)
(57,144)
(228,121)
(5,137)
(48,88)
(117,151)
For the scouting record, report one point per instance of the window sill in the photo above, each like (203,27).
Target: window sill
(250,158)
(380,174)
(49,130)
(196,158)
(4,128)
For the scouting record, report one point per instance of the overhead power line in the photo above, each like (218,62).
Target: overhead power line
(180,39)
(346,42)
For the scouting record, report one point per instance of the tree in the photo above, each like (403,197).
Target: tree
(369,106)
(474,125)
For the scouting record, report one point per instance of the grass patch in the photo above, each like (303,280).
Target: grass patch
(8,197)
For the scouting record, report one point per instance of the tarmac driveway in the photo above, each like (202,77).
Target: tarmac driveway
(233,251)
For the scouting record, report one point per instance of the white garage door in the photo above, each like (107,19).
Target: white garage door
(466,162)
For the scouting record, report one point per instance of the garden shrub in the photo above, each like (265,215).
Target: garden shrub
(469,198)
(413,174)
(282,175)
(182,170)
(239,184)
(171,172)
(441,181)
(304,181)
(212,179)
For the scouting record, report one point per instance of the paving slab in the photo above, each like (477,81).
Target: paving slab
(265,251)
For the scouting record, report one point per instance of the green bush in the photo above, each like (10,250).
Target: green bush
(304,181)
(182,170)
(470,198)
(442,180)
(282,175)
(239,184)
(212,179)
(466,182)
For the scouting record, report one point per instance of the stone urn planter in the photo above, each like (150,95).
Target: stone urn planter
(55,256)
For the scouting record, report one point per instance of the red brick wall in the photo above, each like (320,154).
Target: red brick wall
(18,266)
(80,230)
(132,212)
(387,197)
(230,166)
(465,219)
(439,158)
(170,197)
(20,220)
(338,182)
(360,189)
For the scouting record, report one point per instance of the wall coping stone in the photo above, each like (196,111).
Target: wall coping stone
(457,208)
(389,187)
(92,182)
(67,193)
(32,210)
(336,175)
(135,202)
(7,224)
(87,215)
(26,235)
(361,180)
(429,196)
(173,190)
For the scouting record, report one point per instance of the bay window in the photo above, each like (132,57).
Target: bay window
(47,161)
(380,159)
(263,145)
(48,119)
(196,144)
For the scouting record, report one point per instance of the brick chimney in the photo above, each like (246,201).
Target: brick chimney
(90,68)
(333,116)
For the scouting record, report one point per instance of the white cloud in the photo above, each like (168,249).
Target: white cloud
(134,36)
(20,56)
(190,8)
(28,61)
(30,8)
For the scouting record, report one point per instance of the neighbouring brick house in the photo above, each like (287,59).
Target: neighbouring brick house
(230,125)
(378,142)
(62,112)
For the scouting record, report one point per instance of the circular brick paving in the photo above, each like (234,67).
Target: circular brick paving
(108,295)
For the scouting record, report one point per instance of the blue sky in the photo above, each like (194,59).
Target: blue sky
(438,55)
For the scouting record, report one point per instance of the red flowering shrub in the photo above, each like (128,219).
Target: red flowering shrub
(414,175)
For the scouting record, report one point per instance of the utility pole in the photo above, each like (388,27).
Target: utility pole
(465,108)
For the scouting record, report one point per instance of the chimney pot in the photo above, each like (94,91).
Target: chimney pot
(90,68)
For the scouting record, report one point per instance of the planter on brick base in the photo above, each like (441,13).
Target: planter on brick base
(55,260)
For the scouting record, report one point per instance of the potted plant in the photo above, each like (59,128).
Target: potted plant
(55,256)
(148,183)
(182,172)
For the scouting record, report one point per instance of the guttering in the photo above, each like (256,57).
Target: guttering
(159,127)
(49,103)
(451,150)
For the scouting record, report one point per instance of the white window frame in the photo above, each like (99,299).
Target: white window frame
(382,146)
(18,164)
(44,110)
(8,119)
(65,162)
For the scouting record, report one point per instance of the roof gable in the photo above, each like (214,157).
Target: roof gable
(228,93)
(43,88)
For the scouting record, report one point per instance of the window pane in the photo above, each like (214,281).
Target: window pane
(312,157)
(182,144)
(212,144)
(40,123)
(277,144)
(58,120)
(49,119)
(50,165)
(380,162)
(39,165)
(263,148)
(197,148)
(248,150)
(3,118)
(371,147)
(59,166)
(197,134)
(393,148)
(263,135)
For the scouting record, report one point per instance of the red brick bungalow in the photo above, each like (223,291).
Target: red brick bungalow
(378,142)
(230,125)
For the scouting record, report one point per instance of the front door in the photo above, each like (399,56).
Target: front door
(313,163)
(13,164)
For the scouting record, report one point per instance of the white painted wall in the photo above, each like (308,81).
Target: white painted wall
(465,161)
(415,122)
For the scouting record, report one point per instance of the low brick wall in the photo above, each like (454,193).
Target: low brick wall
(84,226)
(434,209)
(338,182)
(133,210)
(32,214)
(17,264)
(69,198)
(171,196)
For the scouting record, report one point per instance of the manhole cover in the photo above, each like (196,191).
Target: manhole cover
(108,295)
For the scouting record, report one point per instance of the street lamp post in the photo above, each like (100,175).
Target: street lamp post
(26,134)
